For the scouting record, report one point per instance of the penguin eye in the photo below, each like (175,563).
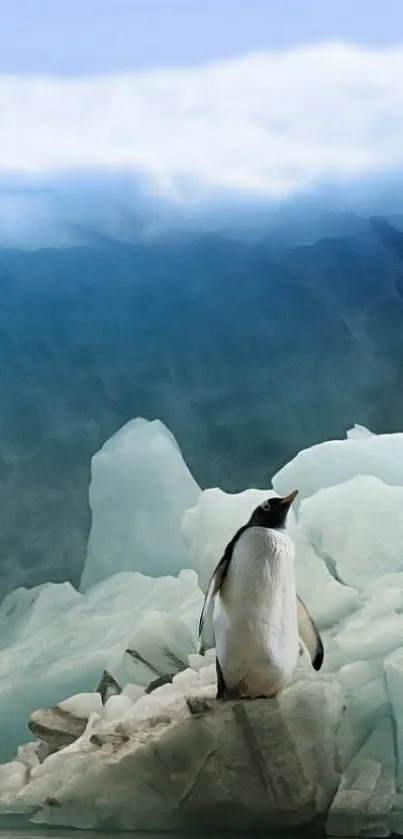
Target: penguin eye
(266,506)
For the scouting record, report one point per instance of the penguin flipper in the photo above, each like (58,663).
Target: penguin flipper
(206,637)
(320,655)
(219,575)
(309,634)
(215,584)
(206,604)
(221,689)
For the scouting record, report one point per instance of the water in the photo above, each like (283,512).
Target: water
(96,834)
(35,833)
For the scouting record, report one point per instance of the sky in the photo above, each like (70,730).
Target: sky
(81,37)
(261,97)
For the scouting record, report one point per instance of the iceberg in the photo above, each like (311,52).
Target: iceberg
(356,526)
(336,461)
(56,641)
(119,696)
(140,489)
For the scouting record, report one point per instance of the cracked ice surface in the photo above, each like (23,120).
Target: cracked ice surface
(332,744)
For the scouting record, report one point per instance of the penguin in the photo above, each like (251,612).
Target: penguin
(260,626)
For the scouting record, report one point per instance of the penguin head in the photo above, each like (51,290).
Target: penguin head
(273,512)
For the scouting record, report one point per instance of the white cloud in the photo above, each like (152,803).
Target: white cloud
(266,123)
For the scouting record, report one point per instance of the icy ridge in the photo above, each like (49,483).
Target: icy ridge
(330,746)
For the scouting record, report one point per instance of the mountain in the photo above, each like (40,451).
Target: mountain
(247,350)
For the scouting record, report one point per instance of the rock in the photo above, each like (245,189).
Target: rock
(108,686)
(158,682)
(187,763)
(56,727)
(66,722)
(199,704)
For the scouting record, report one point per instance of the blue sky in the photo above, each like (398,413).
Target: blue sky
(81,37)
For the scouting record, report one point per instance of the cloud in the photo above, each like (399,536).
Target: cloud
(267,124)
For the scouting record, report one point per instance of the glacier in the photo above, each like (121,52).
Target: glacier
(139,492)
(154,750)
(235,303)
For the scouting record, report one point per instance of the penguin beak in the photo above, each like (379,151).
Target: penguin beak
(287,501)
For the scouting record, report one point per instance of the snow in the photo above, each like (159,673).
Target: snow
(117,707)
(173,758)
(82,705)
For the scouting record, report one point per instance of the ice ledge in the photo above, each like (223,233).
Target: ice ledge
(172,758)
(177,759)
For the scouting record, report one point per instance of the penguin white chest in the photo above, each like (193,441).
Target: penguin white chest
(255,615)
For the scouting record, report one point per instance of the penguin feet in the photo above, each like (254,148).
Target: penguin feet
(221,687)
